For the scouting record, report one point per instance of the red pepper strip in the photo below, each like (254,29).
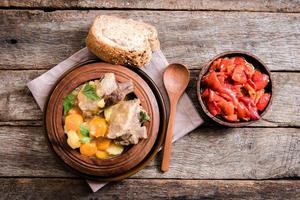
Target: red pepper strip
(237,90)
(251,83)
(250,90)
(260,80)
(213,108)
(221,76)
(243,112)
(217,103)
(247,101)
(216,65)
(225,96)
(226,62)
(253,113)
(213,82)
(227,65)
(239,60)
(251,107)
(239,75)
(205,93)
(259,94)
(263,101)
(232,95)
(226,107)
(212,96)
(249,70)
(231,118)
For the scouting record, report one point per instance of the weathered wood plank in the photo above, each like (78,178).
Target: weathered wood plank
(16,99)
(26,153)
(39,40)
(17,103)
(20,188)
(254,5)
(206,153)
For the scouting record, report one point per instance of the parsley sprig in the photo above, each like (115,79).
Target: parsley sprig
(68,103)
(84,130)
(85,134)
(90,92)
(144,117)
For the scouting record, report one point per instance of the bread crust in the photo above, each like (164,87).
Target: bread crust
(119,55)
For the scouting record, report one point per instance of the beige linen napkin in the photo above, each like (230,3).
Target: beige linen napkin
(187,117)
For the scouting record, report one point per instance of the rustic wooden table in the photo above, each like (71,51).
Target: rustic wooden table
(256,162)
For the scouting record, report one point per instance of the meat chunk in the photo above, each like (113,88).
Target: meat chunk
(106,85)
(125,126)
(87,105)
(119,94)
(106,88)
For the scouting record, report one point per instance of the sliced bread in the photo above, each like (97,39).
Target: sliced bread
(122,41)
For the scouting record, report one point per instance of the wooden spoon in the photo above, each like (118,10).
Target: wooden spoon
(176,78)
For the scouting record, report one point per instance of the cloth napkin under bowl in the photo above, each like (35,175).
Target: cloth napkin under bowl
(187,117)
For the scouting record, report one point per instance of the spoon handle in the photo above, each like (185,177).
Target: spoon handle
(169,136)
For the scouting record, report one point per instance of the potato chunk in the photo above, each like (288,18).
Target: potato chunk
(115,149)
(73,140)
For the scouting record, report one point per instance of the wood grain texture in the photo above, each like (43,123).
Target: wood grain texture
(206,153)
(58,188)
(17,103)
(39,40)
(254,5)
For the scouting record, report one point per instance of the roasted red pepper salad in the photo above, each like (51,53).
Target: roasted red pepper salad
(234,90)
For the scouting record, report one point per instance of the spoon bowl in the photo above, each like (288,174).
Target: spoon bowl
(176,78)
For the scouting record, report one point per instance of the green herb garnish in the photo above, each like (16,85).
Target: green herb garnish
(85,140)
(84,130)
(90,92)
(144,117)
(68,103)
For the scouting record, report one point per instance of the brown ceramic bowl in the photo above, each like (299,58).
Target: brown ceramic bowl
(257,63)
(109,169)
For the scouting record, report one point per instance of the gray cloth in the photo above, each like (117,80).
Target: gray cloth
(187,117)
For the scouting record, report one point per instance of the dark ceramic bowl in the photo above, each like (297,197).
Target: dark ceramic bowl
(257,63)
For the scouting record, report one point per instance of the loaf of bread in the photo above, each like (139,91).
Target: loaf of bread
(122,41)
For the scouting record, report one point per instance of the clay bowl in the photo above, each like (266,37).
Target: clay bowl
(109,169)
(257,63)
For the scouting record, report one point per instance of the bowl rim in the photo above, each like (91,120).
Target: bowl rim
(204,70)
(153,150)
